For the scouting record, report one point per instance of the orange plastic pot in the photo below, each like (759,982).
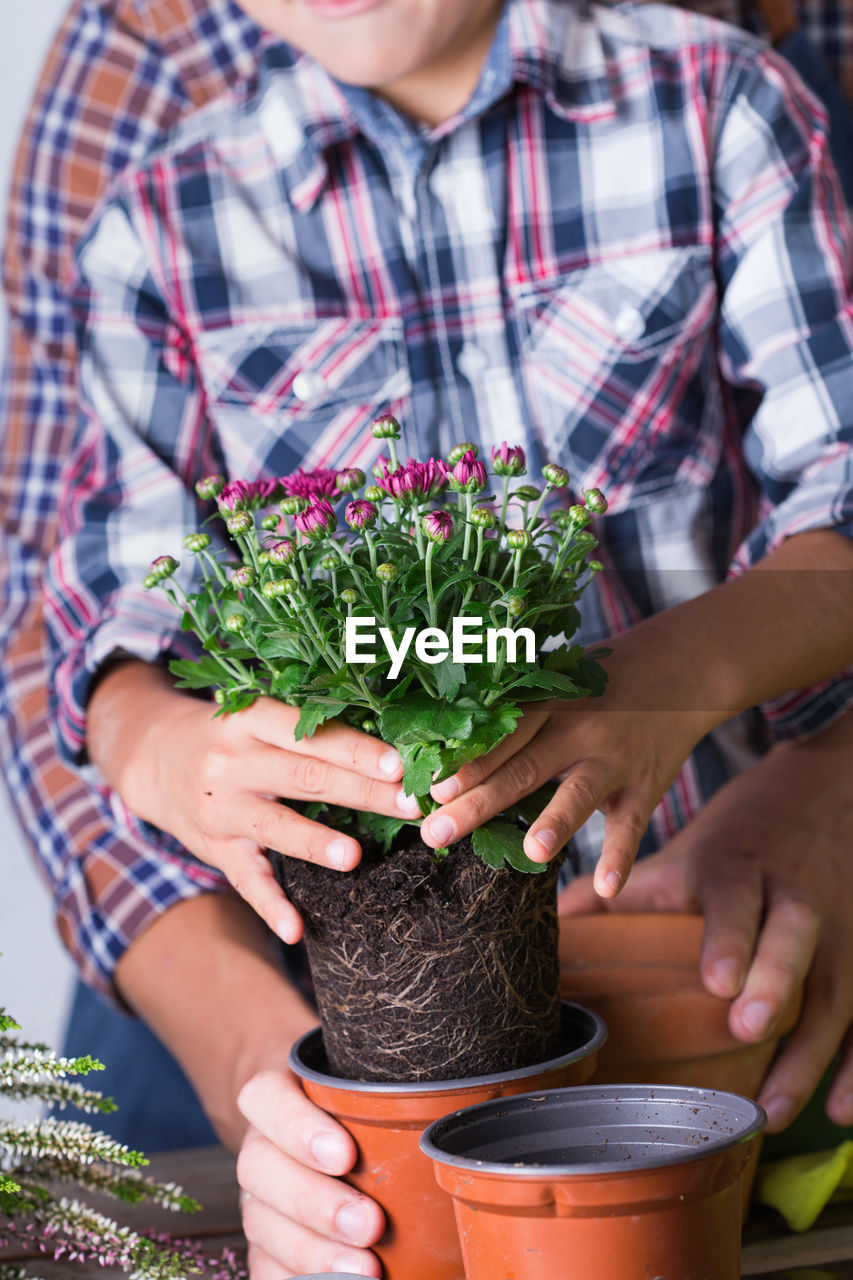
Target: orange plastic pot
(386,1121)
(640,972)
(622,1182)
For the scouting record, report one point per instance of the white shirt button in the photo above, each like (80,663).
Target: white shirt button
(471,360)
(630,324)
(307,385)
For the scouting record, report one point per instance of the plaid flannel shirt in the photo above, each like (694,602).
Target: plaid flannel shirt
(110,874)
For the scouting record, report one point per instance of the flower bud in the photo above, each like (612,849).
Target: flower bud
(595,566)
(150,580)
(220,697)
(210,487)
(561,519)
(273,588)
(467,475)
(240,522)
(329,563)
(361,514)
(457,453)
(317,520)
(580,516)
(369,726)
(373,493)
(235,622)
(244,576)
(293,505)
(527,493)
(385,428)
(515,604)
(585,541)
(349,595)
(508,460)
(270,523)
(596,501)
(519,539)
(281,552)
(387,572)
(437,525)
(557,477)
(197,541)
(161,568)
(350,479)
(483,518)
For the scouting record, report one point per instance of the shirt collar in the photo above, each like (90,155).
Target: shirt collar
(554,46)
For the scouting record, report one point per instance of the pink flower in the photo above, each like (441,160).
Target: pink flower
(361,514)
(321,483)
(438,525)
(317,519)
(235,496)
(414,481)
(467,476)
(281,552)
(508,460)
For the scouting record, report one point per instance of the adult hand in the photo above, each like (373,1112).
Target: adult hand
(207,962)
(215,782)
(296,1217)
(768,862)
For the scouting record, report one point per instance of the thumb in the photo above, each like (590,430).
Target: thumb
(656,883)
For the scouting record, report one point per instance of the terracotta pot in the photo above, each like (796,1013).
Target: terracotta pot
(640,972)
(386,1122)
(623,1182)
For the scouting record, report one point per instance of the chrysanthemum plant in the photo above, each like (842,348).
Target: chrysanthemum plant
(472,596)
(42,1160)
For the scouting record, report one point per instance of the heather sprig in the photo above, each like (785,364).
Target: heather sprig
(39,1159)
(424,548)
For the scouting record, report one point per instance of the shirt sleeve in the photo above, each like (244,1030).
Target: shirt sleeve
(785,263)
(108,89)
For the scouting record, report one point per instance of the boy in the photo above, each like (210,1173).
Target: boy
(533,213)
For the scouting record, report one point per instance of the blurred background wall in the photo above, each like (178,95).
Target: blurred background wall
(35,974)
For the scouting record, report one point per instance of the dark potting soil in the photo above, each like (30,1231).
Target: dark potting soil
(430,969)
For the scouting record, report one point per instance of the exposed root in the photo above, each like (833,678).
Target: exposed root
(428,970)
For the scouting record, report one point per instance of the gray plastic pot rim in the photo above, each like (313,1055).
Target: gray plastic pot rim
(597,1037)
(631,1094)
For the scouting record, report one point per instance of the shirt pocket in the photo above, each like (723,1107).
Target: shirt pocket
(619,371)
(282,397)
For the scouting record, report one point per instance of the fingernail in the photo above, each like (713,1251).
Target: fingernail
(354,1221)
(613,880)
(842,1112)
(757,1016)
(447,790)
(329,1152)
(546,838)
(441,830)
(350,1263)
(726,975)
(285,930)
(408,804)
(389,764)
(778,1110)
(336,853)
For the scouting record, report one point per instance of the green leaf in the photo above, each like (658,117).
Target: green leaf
(280,644)
(500,844)
(288,680)
(236,700)
(555,683)
(379,828)
(423,719)
(316,712)
(198,673)
(421,761)
(449,676)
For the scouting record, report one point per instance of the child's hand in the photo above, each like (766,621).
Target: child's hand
(621,762)
(618,753)
(215,782)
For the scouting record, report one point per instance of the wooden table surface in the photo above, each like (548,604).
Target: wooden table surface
(208,1173)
